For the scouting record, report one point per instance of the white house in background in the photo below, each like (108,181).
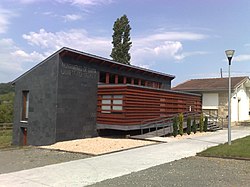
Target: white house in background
(214,93)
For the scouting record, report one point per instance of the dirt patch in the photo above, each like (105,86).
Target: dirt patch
(16,159)
(98,145)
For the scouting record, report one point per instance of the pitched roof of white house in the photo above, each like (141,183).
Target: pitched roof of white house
(210,84)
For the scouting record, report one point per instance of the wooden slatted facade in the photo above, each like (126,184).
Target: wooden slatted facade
(125,107)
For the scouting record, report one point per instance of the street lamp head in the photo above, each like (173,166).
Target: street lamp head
(230,54)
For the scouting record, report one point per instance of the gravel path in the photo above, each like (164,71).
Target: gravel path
(98,145)
(31,157)
(192,171)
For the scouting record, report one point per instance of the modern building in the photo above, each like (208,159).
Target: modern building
(72,94)
(214,93)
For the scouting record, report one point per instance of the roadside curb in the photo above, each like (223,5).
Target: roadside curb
(226,157)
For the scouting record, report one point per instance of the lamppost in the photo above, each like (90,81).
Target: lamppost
(229,54)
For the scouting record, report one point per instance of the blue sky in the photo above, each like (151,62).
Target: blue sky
(185,38)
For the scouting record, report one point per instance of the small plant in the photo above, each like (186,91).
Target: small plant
(175,127)
(189,125)
(181,124)
(201,123)
(194,126)
(205,124)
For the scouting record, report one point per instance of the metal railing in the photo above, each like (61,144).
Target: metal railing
(6,126)
(165,121)
(218,120)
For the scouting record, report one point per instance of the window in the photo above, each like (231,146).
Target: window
(142,82)
(112,78)
(128,80)
(112,103)
(25,105)
(102,77)
(120,79)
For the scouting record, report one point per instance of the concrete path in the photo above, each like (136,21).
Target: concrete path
(91,170)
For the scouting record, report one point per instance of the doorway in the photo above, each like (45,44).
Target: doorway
(23,136)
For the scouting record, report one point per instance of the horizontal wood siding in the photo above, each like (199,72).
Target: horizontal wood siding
(140,103)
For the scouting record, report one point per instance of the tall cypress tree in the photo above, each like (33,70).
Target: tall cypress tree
(121,40)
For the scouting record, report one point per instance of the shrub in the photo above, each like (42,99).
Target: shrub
(194,126)
(201,123)
(189,125)
(205,123)
(181,124)
(175,127)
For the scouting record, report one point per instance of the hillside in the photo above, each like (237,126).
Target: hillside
(6,102)
(6,88)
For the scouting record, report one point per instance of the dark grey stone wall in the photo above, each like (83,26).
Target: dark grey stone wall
(77,101)
(41,83)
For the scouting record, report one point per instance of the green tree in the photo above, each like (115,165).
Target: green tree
(201,123)
(194,126)
(6,107)
(189,125)
(175,126)
(121,40)
(181,124)
(205,123)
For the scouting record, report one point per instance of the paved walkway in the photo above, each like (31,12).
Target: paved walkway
(91,170)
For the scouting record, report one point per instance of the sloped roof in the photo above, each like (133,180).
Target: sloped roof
(101,60)
(210,84)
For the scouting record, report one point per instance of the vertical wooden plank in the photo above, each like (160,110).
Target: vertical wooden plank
(107,78)
(139,82)
(116,79)
(124,80)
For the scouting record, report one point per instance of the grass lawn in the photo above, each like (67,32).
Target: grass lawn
(238,149)
(5,138)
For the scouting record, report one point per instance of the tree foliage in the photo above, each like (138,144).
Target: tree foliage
(194,126)
(6,88)
(201,123)
(175,126)
(189,125)
(205,124)
(181,119)
(6,107)
(121,40)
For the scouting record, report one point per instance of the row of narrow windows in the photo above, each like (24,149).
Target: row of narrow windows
(112,103)
(109,78)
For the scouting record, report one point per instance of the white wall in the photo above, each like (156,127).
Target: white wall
(210,100)
(240,105)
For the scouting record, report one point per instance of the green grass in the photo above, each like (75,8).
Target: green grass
(5,138)
(239,148)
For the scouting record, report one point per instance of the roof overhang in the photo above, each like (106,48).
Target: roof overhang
(113,64)
(79,54)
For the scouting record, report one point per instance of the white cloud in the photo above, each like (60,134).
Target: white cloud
(5,16)
(30,1)
(72,17)
(13,60)
(171,36)
(9,66)
(240,58)
(163,46)
(169,49)
(74,38)
(86,3)
(145,52)
(28,57)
